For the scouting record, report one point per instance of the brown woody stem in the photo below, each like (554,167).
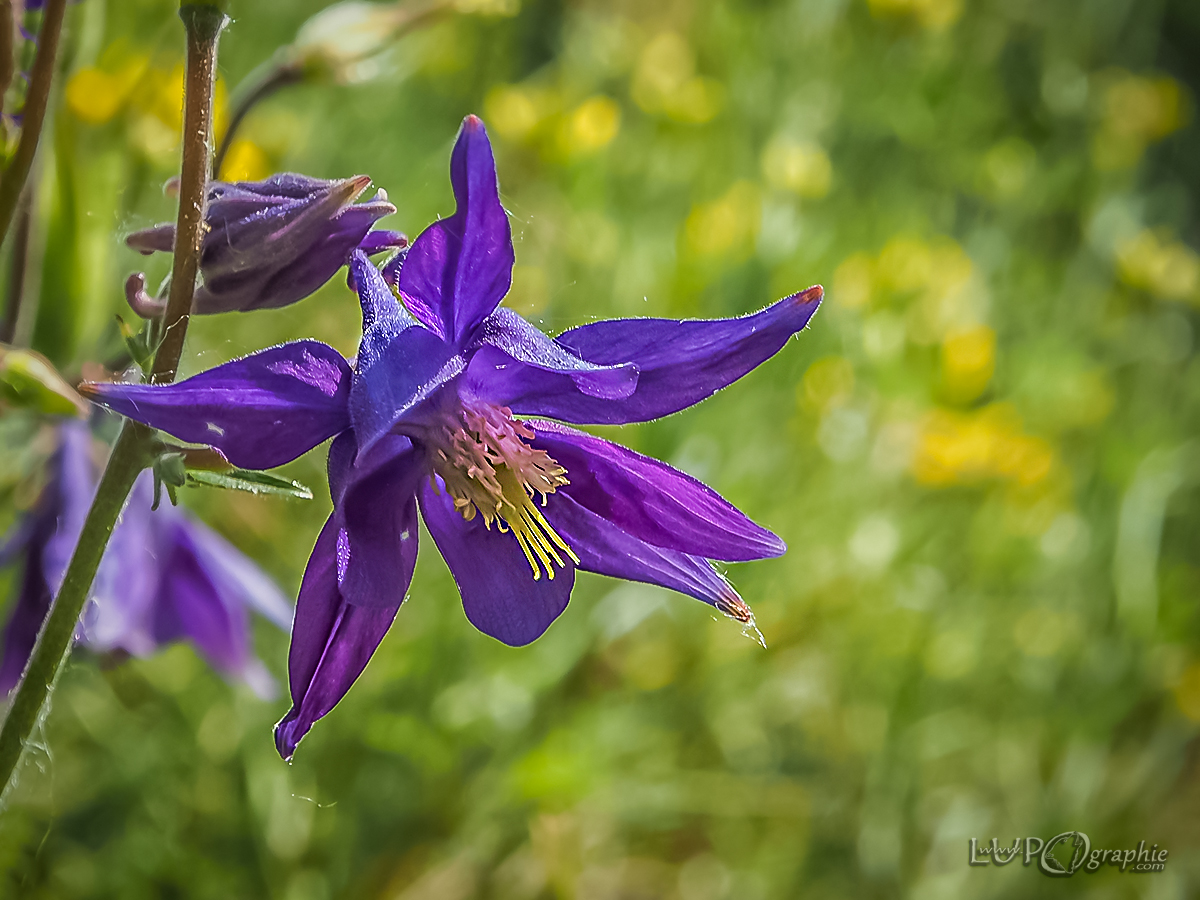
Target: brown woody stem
(12,182)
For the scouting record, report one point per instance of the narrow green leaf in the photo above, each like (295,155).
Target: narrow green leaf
(245,480)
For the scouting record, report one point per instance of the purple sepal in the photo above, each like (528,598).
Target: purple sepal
(261,411)
(506,331)
(679,362)
(605,549)
(332,641)
(653,501)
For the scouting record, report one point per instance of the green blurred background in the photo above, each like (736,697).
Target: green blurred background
(981,455)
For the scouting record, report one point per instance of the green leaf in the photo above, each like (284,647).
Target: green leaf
(245,480)
(140,344)
(28,380)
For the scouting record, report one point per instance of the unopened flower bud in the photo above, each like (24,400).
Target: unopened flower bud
(271,243)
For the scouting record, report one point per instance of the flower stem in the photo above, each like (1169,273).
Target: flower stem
(290,65)
(17,268)
(134,448)
(12,182)
(204,24)
(259,85)
(8,63)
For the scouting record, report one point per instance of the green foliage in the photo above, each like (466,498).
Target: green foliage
(245,480)
(981,455)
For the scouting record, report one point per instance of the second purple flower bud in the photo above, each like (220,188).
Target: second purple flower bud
(271,243)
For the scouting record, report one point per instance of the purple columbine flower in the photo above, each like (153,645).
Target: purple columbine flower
(271,243)
(164,576)
(454,408)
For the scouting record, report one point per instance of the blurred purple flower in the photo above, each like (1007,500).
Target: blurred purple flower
(271,243)
(164,576)
(427,420)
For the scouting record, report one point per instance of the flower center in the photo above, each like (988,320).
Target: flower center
(481,453)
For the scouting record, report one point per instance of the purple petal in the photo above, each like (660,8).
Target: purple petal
(30,610)
(378,527)
(519,341)
(139,301)
(680,362)
(499,593)
(382,239)
(74,481)
(459,269)
(651,500)
(235,576)
(331,643)
(261,411)
(190,603)
(272,244)
(160,238)
(605,549)
(121,605)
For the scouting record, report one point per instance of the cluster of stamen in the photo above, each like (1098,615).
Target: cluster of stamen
(483,456)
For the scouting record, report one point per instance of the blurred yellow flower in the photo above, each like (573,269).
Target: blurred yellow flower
(1154,262)
(665,82)
(968,363)
(726,225)
(245,161)
(967,448)
(935,15)
(665,65)
(905,263)
(798,166)
(697,101)
(1135,111)
(828,382)
(95,96)
(511,112)
(937,274)
(593,125)
(852,281)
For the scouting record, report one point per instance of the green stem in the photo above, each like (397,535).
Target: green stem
(289,66)
(12,183)
(258,86)
(134,449)
(17,269)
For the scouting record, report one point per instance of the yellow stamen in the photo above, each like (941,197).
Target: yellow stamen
(489,468)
